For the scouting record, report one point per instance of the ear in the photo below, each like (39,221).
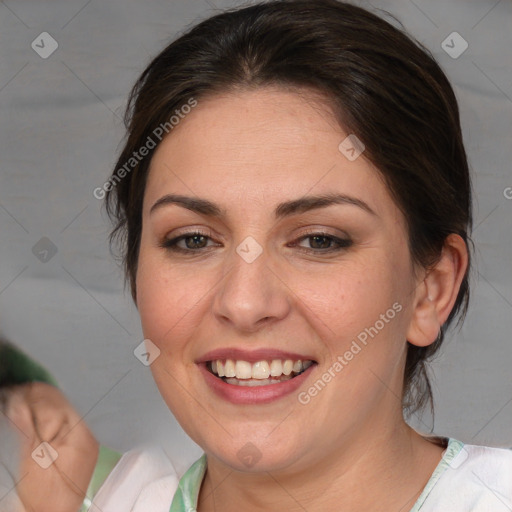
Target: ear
(436,294)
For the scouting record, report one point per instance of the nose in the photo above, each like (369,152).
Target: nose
(251,295)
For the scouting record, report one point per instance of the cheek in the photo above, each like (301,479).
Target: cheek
(361,314)
(158,308)
(166,299)
(350,299)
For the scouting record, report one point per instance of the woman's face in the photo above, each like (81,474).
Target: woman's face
(258,288)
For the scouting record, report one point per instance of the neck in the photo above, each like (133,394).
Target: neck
(388,467)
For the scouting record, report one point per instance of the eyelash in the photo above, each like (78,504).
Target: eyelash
(343,243)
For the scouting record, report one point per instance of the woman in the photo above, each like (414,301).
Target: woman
(294,206)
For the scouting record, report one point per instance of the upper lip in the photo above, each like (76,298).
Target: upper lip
(251,356)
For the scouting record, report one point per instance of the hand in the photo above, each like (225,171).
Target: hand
(41,412)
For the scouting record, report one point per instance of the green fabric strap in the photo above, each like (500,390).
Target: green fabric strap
(18,368)
(187,493)
(452,450)
(107,459)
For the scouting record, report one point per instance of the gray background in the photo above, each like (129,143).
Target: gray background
(60,123)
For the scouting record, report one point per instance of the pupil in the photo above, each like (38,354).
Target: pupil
(322,246)
(195,238)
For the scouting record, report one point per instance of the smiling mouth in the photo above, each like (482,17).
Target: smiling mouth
(260,373)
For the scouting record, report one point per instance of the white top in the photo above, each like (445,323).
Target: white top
(468,478)
(143,480)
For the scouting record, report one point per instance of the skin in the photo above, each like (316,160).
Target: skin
(40,412)
(349,448)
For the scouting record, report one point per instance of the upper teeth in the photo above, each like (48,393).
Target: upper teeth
(259,370)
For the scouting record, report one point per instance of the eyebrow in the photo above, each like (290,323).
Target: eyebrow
(285,209)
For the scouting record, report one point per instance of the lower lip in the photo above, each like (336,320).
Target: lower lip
(256,394)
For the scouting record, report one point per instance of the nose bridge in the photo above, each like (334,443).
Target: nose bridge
(250,292)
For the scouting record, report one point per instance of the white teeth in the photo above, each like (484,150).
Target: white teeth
(276,368)
(243,370)
(258,371)
(288,367)
(229,368)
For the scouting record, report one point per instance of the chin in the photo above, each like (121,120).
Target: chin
(253,453)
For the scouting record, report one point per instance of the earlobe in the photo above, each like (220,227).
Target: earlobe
(425,323)
(437,293)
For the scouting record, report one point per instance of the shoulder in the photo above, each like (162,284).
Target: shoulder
(488,455)
(143,479)
(472,478)
(485,465)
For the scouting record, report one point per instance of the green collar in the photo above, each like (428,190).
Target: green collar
(107,459)
(187,493)
(452,450)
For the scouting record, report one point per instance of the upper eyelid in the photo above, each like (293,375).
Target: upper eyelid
(310,229)
(188,231)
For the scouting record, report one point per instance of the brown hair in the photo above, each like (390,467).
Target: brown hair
(383,86)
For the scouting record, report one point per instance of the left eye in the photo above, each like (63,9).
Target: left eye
(324,243)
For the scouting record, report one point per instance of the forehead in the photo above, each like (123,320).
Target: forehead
(252,146)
